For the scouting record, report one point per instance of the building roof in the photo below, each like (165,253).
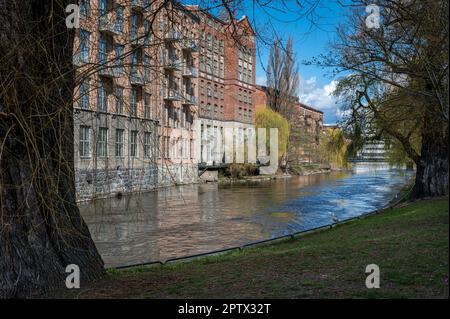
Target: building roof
(310,108)
(303,105)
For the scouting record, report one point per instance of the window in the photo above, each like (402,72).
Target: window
(134,62)
(175,117)
(102,98)
(222,47)
(134,101)
(119,58)
(84,94)
(208,64)
(119,99)
(208,41)
(147,106)
(208,110)
(222,69)
(183,118)
(202,40)
(166,146)
(216,45)
(102,142)
(102,50)
(84,8)
(134,25)
(119,142)
(84,45)
(134,144)
(85,141)
(208,89)
(147,62)
(103,7)
(215,67)
(148,144)
(147,5)
(119,19)
(147,33)
(166,116)
(202,87)
(202,63)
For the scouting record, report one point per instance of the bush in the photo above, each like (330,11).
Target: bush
(267,118)
(238,171)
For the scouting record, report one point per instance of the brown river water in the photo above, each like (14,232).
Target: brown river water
(185,220)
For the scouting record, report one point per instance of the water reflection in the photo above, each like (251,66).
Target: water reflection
(185,220)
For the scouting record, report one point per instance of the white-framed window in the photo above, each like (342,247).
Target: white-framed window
(119,19)
(84,94)
(85,8)
(134,100)
(134,143)
(119,99)
(85,37)
(85,141)
(102,142)
(102,98)
(119,142)
(148,143)
(147,106)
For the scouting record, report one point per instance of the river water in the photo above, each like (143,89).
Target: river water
(191,219)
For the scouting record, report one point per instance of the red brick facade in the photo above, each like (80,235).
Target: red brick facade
(304,117)
(226,66)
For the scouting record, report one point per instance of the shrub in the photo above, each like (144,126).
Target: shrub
(267,118)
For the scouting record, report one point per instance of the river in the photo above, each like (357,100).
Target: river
(191,219)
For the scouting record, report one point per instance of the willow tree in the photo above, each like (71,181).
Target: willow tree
(396,78)
(41,230)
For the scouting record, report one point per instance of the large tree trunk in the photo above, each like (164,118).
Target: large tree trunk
(41,230)
(432,164)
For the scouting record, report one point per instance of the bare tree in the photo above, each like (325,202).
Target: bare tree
(282,78)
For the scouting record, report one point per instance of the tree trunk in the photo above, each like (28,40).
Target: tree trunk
(41,229)
(432,167)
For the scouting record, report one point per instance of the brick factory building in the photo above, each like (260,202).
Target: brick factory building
(149,85)
(305,121)
(225,84)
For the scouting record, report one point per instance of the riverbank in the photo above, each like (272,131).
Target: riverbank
(310,170)
(408,243)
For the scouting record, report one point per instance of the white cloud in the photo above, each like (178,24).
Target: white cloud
(261,80)
(320,97)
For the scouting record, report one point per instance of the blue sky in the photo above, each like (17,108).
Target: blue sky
(310,40)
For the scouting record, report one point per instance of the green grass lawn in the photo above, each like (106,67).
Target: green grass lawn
(409,244)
